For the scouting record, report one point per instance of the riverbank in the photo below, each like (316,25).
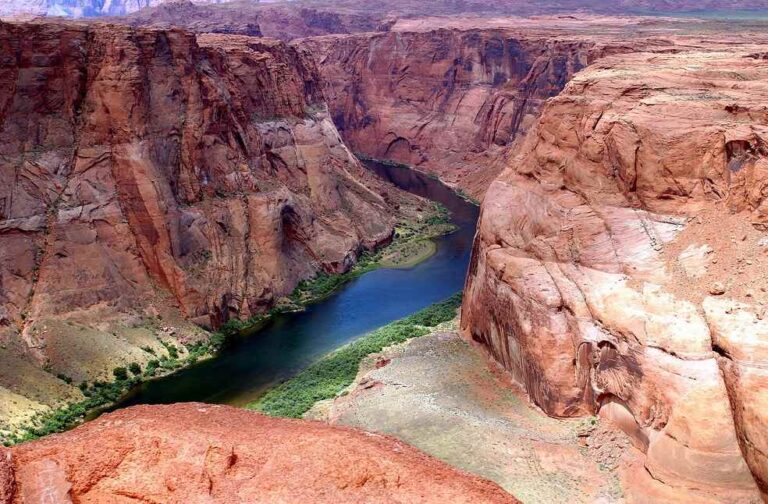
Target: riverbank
(411,244)
(444,396)
(333,373)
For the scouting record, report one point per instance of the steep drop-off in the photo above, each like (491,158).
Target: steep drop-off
(150,178)
(446,101)
(619,265)
(227,455)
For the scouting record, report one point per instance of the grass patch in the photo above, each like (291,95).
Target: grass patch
(330,375)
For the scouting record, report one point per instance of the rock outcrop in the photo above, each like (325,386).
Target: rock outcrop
(224,454)
(446,101)
(148,174)
(641,187)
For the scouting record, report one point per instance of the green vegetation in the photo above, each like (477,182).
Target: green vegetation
(100,394)
(120,373)
(97,395)
(330,375)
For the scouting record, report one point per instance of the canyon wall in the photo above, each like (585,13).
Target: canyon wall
(619,266)
(445,101)
(149,178)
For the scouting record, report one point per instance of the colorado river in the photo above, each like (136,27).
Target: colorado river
(289,342)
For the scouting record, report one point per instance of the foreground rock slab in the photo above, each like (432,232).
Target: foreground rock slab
(189,453)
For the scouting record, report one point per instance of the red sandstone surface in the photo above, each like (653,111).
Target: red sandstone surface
(575,285)
(192,452)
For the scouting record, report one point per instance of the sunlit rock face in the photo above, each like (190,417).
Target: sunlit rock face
(150,175)
(201,453)
(618,268)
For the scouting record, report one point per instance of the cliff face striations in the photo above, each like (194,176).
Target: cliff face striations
(446,101)
(618,267)
(147,173)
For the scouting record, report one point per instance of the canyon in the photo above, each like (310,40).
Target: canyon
(175,169)
(154,181)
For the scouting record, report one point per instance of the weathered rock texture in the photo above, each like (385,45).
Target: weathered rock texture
(575,285)
(228,455)
(148,172)
(446,101)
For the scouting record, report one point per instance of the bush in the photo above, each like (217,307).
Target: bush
(330,375)
(120,373)
(134,368)
(64,378)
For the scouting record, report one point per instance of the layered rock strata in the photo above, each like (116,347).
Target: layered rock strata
(446,101)
(618,267)
(149,178)
(228,455)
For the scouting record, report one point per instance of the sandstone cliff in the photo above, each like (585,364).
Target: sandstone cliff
(446,101)
(227,455)
(148,174)
(619,265)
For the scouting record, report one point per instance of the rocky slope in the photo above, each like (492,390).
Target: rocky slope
(228,455)
(618,267)
(447,101)
(150,178)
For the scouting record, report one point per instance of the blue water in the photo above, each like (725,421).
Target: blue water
(289,342)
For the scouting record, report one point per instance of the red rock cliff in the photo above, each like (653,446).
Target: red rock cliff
(146,172)
(445,100)
(619,265)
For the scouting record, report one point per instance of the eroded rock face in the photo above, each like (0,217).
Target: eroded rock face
(148,173)
(446,101)
(200,453)
(577,286)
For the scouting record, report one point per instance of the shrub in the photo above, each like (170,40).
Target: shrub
(120,373)
(134,368)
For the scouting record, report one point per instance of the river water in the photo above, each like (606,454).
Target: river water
(245,368)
